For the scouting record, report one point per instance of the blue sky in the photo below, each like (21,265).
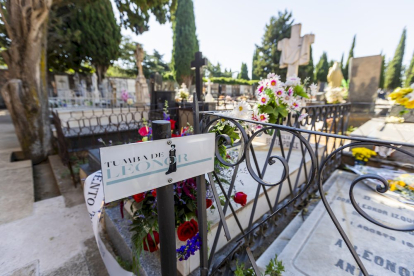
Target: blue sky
(229,29)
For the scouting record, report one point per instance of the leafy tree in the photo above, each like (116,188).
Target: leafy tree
(254,63)
(409,75)
(214,70)
(394,68)
(100,35)
(307,71)
(350,55)
(342,63)
(382,75)
(322,68)
(244,73)
(135,14)
(185,42)
(268,56)
(227,73)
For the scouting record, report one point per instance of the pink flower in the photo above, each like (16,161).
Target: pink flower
(264,99)
(279,93)
(263,117)
(273,82)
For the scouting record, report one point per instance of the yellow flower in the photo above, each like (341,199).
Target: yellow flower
(401,183)
(402,101)
(409,105)
(411,187)
(395,95)
(393,187)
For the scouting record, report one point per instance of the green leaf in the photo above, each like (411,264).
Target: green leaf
(298,89)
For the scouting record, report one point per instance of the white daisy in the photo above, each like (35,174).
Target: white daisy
(264,99)
(295,105)
(286,99)
(302,117)
(242,110)
(279,93)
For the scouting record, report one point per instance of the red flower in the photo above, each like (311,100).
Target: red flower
(139,197)
(187,230)
(240,198)
(149,244)
(172,122)
(209,202)
(143,131)
(154,193)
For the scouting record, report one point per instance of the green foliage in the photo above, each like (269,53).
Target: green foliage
(322,68)
(307,71)
(224,129)
(244,73)
(100,35)
(242,271)
(394,68)
(409,75)
(124,264)
(268,57)
(185,42)
(231,81)
(275,268)
(135,14)
(214,70)
(350,55)
(382,75)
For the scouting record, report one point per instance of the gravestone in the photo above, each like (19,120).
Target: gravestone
(295,50)
(318,249)
(364,80)
(62,86)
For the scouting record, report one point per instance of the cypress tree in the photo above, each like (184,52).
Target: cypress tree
(382,76)
(100,35)
(322,68)
(254,63)
(307,71)
(342,63)
(351,55)
(393,74)
(185,42)
(409,75)
(244,73)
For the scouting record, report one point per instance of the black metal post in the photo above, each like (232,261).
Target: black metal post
(161,129)
(201,201)
(196,65)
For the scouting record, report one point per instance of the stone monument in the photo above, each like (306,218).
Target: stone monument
(364,76)
(295,50)
(62,86)
(141,86)
(209,97)
(94,88)
(335,76)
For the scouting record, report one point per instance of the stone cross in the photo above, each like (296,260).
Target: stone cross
(139,56)
(295,50)
(196,65)
(209,97)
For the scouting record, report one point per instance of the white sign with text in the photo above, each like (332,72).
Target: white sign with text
(135,168)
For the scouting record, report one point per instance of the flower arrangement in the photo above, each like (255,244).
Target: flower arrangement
(278,99)
(336,95)
(404,185)
(403,97)
(182,93)
(363,154)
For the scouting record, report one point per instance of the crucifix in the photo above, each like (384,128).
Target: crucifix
(295,50)
(196,65)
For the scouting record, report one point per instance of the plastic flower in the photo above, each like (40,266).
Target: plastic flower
(279,93)
(263,117)
(260,89)
(286,99)
(295,105)
(292,81)
(302,117)
(241,110)
(130,101)
(139,197)
(313,88)
(240,198)
(264,99)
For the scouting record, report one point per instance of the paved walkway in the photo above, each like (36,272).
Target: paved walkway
(39,238)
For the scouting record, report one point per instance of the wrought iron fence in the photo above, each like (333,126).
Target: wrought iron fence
(320,140)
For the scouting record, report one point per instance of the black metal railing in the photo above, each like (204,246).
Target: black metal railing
(315,146)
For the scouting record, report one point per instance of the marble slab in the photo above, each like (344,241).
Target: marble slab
(318,249)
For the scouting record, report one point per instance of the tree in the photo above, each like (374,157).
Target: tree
(322,68)
(342,63)
(409,75)
(268,56)
(345,71)
(244,73)
(307,71)
(394,68)
(254,63)
(185,42)
(23,38)
(100,35)
(214,71)
(382,75)
(154,64)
